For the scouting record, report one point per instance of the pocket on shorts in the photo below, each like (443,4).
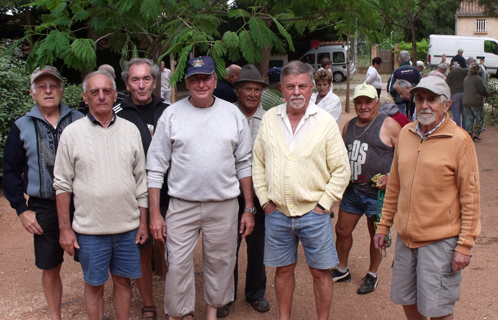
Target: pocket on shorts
(449,293)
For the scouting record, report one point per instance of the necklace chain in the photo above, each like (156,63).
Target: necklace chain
(354,127)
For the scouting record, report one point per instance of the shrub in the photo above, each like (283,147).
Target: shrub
(422,48)
(491,116)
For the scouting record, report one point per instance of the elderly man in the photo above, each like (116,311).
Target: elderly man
(106,67)
(440,71)
(205,143)
(143,109)
(404,72)
(460,59)
(165,88)
(249,88)
(28,166)
(272,96)
(421,67)
(455,81)
(224,88)
(433,199)
(403,88)
(108,182)
(300,169)
(370,139)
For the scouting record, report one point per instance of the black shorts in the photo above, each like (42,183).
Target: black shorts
(48,252)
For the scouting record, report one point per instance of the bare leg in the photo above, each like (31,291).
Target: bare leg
(323,287)
(122,296)
(210,312)
(285,283)
(346,223)
(94,301)
(52,287)
(144,283)
(375,255)
(412,313)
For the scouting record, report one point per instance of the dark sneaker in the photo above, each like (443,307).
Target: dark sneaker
(338,276)
(260,305)
(369,284)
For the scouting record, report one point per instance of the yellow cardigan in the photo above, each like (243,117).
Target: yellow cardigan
(316,171)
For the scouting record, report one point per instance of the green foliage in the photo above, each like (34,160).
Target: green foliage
(492,101)
(422,48)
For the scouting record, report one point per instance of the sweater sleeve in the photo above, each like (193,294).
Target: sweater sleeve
(391,198)
(468,184)
(139,173)
(338,166)
(258,163)
(64,165)
(13,163)
(243,150)
(159,154)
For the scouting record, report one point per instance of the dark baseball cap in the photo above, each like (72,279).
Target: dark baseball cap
(200,65)
(274,74)
(46,70)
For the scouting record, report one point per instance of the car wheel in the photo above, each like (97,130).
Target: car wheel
(338,77)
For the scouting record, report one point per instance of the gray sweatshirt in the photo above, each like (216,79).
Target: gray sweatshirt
(207,150)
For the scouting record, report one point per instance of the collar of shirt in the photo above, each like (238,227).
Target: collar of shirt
(260,112)
(312,109)
(424,136)
(97,122)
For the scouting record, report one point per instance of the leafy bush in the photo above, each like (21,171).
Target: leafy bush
(15,92)
(422,48)
(491,116)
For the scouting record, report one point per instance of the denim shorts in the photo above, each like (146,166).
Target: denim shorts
(315,231)
(115,252)
(356,202)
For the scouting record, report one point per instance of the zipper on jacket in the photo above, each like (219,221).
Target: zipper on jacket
(411,187)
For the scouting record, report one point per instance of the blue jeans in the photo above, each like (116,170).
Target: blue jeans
(457,109)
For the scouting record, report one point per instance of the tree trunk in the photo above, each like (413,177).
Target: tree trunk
(414,42)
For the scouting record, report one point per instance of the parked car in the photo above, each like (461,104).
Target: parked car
(337,55)
(473,46)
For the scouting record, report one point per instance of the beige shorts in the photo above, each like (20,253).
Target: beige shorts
(423,276)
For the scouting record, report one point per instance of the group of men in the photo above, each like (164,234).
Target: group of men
(101,186)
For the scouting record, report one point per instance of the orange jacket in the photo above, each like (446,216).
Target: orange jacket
(433,188)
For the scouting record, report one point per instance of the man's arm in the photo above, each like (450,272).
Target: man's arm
(67,238)
(157,224)
(247,220)
(258,165)
(143,231)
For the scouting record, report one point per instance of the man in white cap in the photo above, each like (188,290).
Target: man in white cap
(28,168)
(433,200)
(206,144)
(420,67)
(370,139)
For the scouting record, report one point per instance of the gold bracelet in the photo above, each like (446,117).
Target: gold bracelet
(265,204)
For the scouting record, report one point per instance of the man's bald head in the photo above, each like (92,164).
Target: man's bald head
(232,73)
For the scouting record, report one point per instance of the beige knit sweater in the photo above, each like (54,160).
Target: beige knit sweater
(315,171)
(105,171)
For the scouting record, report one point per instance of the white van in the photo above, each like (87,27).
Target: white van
(336,54)
(473,46)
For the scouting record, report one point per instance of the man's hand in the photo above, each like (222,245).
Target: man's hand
(68,242)
(142,234)
(380,241)
(318,210)
(270,207)
(246,224)
(157,226)
(28,220)
(382,183)
(460,261)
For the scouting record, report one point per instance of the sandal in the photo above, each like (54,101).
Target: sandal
(223,312)
(151,310)
(188,315)
(260,305)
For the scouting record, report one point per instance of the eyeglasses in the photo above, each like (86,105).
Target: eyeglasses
(145,80)
(106,91)
(44,87)
(199,79)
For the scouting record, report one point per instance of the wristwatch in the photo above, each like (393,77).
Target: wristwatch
(320,206)
(251,210)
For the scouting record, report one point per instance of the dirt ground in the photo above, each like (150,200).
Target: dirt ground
(22,295)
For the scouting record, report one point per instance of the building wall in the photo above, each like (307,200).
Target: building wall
(465,26)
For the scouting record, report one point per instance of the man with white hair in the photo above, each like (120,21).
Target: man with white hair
(433,200)
(440,71)
(370,138)
(403,88)
(404,72)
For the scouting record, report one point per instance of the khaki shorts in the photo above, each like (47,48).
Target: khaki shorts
(423,276)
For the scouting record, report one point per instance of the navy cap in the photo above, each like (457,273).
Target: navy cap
(200,65)
(274,74)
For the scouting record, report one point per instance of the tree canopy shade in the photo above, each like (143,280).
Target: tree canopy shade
(73,30)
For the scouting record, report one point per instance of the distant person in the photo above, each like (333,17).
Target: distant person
(165,88)
(28,168)
(403,88)
(460,59)
(484,71)
(446,62)
(474,93)
(455,81)
(373,77)
(224,89)
(325,65)
(404,72)
(421,67)
(439,72)
(325,98)
(272,96)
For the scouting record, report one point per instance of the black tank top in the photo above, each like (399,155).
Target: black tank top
(368,155)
